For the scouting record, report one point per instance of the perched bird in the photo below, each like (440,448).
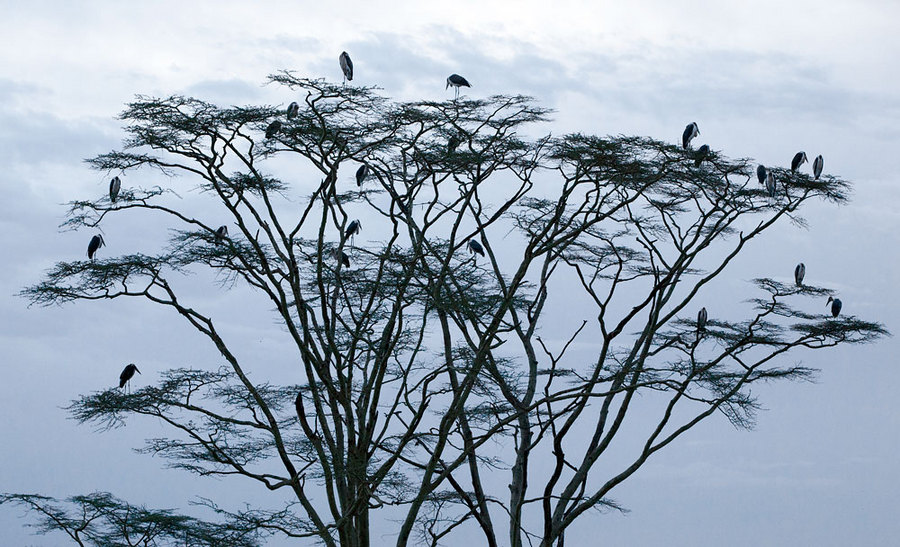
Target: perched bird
(353,228)
(221,233)
(96,243)
(770,184)
(341,256)
(835,305)
(761,173)
(361,174)
(701,155)
(701,319)
(691,131)
(475,247)
(273,129)
(127,374)
(453,143)
(457,82)
(292,110)
(799,272)
(346,66)
(115,184)
(818,164)
(799,159)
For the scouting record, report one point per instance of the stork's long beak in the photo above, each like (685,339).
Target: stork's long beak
(136,370)
(448,85)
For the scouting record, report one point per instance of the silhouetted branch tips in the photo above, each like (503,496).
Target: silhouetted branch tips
(102,519)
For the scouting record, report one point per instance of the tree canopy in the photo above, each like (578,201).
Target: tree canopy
(427,397)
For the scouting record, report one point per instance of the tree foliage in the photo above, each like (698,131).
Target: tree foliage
(102,520)
(426,376)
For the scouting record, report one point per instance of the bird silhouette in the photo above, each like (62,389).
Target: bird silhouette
(818,164)
(457,81)
(95,243)
(346,66)
(353,228)
(127,373)
(273,129)
(475,247)
(799,159)
(361,174)
(691,131)
(114,185)
(702,154)
(761,173)
(221,233)
(799,273)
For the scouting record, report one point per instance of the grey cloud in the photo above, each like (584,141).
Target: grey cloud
(225,92)
(12,89)
(647,81)
(33,137)
(404,66)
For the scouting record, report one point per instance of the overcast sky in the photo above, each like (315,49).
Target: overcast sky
(762,79)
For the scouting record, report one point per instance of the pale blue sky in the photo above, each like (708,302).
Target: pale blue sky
(763,80)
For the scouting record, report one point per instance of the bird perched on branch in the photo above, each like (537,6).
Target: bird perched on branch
(453,143)
(475,247)
(818,164)
(770,184)
(761,173)
(799,273)
(221,233)
(292,110)
(457,82)
(799,159)
(95,243)
(115,184)
(341,256)
(353,228)
(273,129)
(836,305)
(691,131)
(127,374)
(346,66)
(361,174)
(701,155)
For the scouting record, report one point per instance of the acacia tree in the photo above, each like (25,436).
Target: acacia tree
(103,520)
(426,378)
